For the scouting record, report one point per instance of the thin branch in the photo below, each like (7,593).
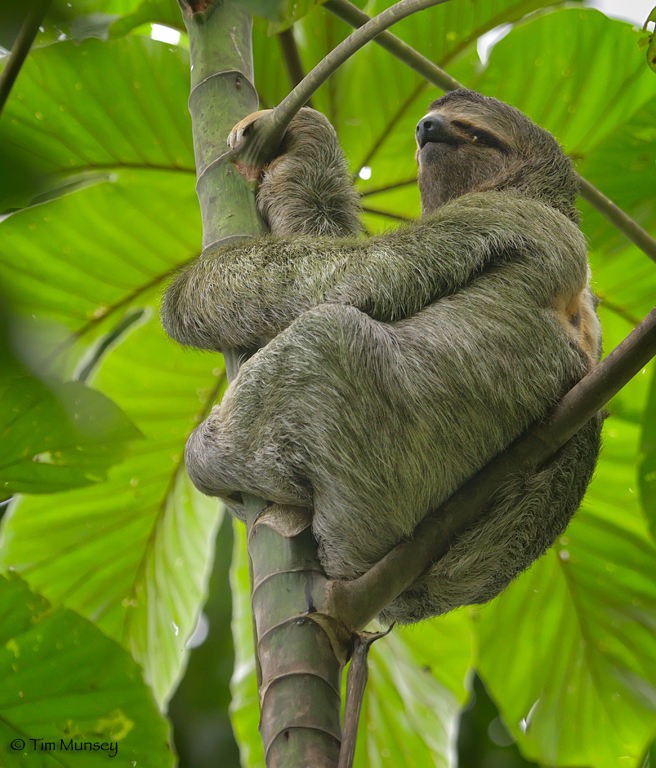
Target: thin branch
(268,131)
(434,74)
(356,682)
(353,16)
(357,602)
(387,214)
(618,310)
(21,48)
(607,208)
(292,58)
(388,187)
(400,112)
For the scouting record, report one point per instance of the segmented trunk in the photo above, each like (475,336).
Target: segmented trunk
(299,651)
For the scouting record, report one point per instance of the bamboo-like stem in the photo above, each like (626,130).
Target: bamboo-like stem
(352,15)
(21,48)
(299,657)
(359,601)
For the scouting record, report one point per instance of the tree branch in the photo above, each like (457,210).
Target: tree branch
(352,15)
(388,187)
(268,131)
(356,682)
(357,602)
(387,214)
(292,58)
(607,208)
(21,48)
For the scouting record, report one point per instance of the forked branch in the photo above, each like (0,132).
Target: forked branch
(357,602)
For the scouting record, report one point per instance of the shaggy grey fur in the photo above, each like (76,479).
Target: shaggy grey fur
(401,364)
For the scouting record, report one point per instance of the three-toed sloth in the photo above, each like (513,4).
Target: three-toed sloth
(396,366)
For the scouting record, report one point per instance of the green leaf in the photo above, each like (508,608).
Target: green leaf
(90,259)
(412,698)
(575,72)
(53,435)
(59,436)
(137,549)
(408,715)
(63,683)
(244,709)
(165,12)
(579,74)
(86,257)
(79,19)
(575,678)
(78,114)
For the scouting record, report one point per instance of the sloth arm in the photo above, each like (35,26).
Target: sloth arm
(241,296)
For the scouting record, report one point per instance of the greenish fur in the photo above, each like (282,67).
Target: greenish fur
(397,366)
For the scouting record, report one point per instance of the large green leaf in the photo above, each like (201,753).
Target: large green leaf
(412,698)
(53,435)
(79,113)
(57,437)
(409,714)
(102,251)
(133,553)
(622,166)
(63,683)
(575,678)
(86,259)
(83,258)
(575,72)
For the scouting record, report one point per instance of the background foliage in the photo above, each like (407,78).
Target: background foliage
(98,193)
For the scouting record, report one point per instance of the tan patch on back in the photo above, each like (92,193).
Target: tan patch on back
(578,316)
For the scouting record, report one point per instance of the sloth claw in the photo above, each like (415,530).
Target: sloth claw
(243,128)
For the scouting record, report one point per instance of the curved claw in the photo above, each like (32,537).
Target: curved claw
(243,128)
(236,141)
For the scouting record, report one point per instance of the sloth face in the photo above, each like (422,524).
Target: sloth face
(472,143)
(460,147)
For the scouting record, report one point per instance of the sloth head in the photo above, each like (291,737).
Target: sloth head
(473,143)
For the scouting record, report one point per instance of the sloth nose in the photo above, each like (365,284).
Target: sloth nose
(433,128)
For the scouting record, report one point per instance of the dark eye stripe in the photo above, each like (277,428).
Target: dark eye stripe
(483,136)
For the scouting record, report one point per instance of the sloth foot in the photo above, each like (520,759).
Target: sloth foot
(236,140)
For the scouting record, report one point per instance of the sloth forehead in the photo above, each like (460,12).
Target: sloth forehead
(473,114)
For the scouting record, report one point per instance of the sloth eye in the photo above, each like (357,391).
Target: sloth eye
(480,136)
